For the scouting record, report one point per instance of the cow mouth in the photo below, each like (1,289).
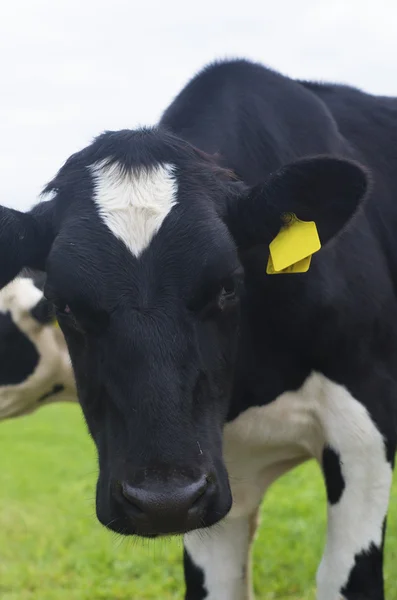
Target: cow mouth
(127,530)
(123,526)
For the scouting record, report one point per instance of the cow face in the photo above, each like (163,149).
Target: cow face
(34,363)
(141,247)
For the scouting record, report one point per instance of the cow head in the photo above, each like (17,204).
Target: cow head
(140,243)
(34,362)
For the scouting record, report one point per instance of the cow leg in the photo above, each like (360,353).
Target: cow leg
(217,561)
(357,467)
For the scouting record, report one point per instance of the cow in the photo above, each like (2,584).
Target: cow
(35,367)
(226,284)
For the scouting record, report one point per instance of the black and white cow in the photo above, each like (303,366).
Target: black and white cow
(203,378)
(35,367)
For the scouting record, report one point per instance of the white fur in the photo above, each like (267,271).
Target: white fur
(222,554)
(54,366)
(265,442)
(134,204)
(356,520)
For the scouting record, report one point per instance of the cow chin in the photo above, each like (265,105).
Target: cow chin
(168,508)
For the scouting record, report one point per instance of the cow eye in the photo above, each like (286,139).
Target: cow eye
(65,310)
(60,305)
(227,298)
(62,308)
(68,317)
(218,297)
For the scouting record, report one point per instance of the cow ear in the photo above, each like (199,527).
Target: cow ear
(325,190)
(25,239)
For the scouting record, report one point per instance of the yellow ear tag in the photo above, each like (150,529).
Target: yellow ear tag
(56,324)
(302,266)
(291,250)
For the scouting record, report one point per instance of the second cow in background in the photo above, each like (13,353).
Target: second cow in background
(35,366)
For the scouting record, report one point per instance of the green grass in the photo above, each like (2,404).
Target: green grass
(52,547)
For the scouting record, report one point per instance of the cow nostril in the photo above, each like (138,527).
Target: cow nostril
(129,494)
(181,500)
(200,491)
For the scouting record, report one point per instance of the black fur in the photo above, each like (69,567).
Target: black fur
(333,475)
(43,312)
(18,355)
(169,346)
(366,578)
(195,588)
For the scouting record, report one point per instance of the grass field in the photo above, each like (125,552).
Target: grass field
(52,547)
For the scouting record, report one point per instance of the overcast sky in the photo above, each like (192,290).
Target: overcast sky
(73,68)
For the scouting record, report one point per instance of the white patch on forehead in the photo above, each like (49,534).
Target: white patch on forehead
(133,204)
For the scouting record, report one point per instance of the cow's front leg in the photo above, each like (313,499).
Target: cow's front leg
(357,466)
(217,560)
